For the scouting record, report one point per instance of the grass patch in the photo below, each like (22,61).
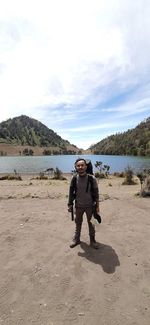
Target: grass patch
(11,177)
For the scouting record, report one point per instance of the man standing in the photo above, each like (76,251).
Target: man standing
(84,189)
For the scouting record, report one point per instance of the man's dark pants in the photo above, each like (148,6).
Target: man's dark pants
(79,220)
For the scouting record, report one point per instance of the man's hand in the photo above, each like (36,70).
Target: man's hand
(70,208)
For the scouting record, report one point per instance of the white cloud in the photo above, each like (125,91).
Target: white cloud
(63,60)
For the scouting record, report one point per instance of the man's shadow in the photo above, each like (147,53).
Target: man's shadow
(104,256)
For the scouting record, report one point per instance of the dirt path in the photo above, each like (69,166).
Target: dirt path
(44,282)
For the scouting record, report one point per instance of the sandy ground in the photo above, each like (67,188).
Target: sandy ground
(44,282)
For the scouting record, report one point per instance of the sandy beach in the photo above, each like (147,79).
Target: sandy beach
(44,282)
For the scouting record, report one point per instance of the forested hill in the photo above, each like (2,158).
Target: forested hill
(132,142)
(26,131)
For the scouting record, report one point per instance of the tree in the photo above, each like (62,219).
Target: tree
(103,170)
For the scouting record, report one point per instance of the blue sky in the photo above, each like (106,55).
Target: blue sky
(80,67)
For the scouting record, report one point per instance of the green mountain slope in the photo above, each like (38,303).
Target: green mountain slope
(25,131)
(132,142)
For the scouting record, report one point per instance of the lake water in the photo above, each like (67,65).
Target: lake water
(65,163)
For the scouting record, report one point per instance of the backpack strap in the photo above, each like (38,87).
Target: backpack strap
(74,183)
(89,180)
(94,191)
(73,190)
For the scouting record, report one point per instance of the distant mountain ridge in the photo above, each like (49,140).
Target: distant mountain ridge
(23,135)
(134,142)
(25,131)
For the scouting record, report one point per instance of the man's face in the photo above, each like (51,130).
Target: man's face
(81,167)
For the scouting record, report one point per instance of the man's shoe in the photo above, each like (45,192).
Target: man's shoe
(93,244)
(75,243)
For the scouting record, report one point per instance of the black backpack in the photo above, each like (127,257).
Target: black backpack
(89,167)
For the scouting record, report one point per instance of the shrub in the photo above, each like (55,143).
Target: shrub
(58,174)
(144,177)
(141,176)
(103,170)
(99,175)
(41,176)
(129,175)
(11,177)
(14,177)
(121,174)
